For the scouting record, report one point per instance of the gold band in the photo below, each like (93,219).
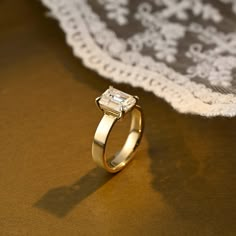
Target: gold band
(104,128)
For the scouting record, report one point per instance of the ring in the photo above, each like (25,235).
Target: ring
(115,104)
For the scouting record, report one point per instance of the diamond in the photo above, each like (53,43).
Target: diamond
(116,101)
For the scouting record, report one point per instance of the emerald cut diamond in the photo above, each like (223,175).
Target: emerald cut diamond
(116,101)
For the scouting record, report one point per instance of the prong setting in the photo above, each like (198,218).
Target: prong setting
(116,102)
(136,97)
(122,113)
(97,102)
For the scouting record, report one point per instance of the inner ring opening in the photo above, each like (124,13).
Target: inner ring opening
(134,136)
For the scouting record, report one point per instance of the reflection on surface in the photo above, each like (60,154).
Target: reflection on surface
(193,164)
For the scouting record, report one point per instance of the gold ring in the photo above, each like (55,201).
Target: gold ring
(115,104)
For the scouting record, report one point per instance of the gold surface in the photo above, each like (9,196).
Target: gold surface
(181,181)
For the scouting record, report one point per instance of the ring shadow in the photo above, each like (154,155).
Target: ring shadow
(61,200)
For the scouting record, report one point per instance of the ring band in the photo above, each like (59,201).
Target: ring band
(115,104)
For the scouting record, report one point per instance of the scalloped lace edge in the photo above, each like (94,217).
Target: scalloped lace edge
(185,96)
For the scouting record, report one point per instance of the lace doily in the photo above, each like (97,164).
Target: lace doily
(182,50)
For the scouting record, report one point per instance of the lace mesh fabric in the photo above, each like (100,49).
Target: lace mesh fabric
(182,50)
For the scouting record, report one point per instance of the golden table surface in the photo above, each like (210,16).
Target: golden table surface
(181,182)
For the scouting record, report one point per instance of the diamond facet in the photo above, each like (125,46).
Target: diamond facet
(116,101)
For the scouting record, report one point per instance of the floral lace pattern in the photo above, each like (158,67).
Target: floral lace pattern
(182,50)
(116,10)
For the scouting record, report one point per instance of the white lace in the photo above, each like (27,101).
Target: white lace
(148,55)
